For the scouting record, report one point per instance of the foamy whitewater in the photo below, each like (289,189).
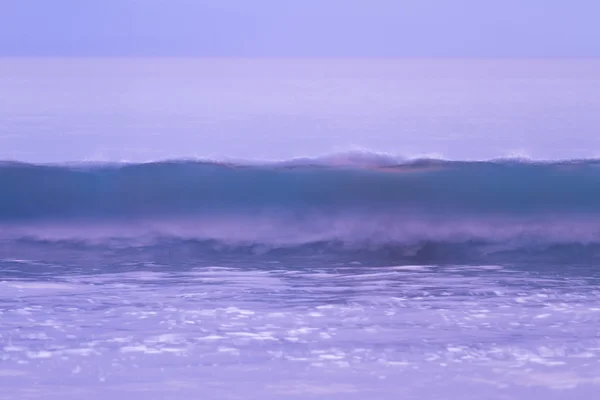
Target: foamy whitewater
(358,274)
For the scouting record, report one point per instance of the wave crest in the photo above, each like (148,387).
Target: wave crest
(357,200)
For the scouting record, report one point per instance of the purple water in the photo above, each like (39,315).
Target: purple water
(307,328)
(356,275)
(74,109)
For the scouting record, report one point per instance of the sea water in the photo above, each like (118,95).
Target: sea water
(270,229)
(56,110)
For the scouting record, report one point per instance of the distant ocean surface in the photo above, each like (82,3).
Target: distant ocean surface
(55,110)
(274,229)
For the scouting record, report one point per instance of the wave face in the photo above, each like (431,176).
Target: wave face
(366,202)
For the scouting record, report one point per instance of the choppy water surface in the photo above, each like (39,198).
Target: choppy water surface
(304,327)
(450,267)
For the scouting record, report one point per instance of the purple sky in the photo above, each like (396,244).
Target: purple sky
(475,28)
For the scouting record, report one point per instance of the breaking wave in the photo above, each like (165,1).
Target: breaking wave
(358,201)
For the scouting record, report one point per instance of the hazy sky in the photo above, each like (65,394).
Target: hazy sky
(504,28)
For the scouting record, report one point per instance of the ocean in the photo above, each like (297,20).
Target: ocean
(299,229)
